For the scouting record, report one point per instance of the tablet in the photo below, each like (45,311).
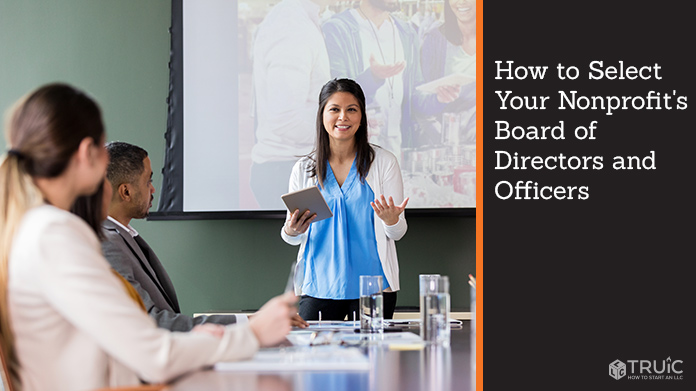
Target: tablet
(308,199)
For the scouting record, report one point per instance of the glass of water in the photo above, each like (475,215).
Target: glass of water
(424,282)
(371,307)
(435,308)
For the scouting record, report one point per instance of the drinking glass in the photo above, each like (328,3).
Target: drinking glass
(371,306)
(435,308)
(424,280)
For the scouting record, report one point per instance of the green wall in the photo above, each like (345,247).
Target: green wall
(118,50)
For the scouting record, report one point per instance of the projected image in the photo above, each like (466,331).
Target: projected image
(415,60)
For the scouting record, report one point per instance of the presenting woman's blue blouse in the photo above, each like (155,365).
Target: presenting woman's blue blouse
(342,248)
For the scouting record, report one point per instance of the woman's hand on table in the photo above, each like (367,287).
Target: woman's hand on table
(297,321)
(298,224)
(271,323)
(387,211)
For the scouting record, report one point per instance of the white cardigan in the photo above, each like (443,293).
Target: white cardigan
(76,328)
(384,177)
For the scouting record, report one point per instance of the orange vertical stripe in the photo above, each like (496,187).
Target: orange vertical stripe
(479,195)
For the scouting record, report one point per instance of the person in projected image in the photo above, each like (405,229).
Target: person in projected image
(422,20)
(380,51)
(450,48)
(363,188)
(290,64)
(66,321)
(130,175)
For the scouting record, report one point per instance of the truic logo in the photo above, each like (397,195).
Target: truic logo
(617,369)
(664,370)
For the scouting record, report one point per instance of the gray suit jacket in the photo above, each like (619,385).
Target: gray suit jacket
(137,263)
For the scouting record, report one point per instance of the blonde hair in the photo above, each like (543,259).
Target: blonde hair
(17,195)
(44,130)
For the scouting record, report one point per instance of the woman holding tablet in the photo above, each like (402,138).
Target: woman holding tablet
(363,187)
(66,321)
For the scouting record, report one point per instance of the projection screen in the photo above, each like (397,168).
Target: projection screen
(244,84)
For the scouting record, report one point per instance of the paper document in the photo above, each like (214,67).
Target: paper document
(333,325)
(398,322)
(305,338)
(455,79)
(319,358)
(386,339)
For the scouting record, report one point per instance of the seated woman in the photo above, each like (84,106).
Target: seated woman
(65,319)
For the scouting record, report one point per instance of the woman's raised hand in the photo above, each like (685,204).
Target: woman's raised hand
(298,224)
(387,211)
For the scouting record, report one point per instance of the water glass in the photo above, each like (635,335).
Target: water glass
(435,308)
(425,280)
(371,306)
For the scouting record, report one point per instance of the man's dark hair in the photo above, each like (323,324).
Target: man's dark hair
(125,163)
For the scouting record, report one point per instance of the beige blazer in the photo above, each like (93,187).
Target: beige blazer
(76,328)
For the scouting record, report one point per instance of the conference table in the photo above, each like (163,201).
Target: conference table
(428,368)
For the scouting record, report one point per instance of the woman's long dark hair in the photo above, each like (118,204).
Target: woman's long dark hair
(365,154)
(450,29)
(91,209)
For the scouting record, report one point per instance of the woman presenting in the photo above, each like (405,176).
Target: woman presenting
(363,187)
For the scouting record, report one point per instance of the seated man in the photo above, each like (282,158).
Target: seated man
(130,175)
